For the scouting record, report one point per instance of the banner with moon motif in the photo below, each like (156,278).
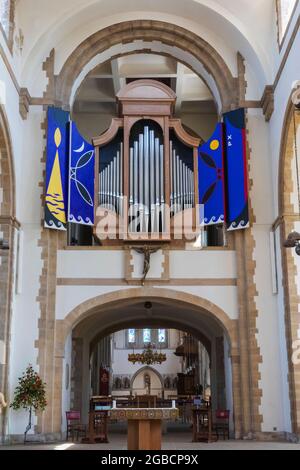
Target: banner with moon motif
(81,179)
(237,206)
(56,169)
(211,179)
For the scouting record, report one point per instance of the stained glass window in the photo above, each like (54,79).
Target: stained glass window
(131,336)
(161,336)
(147,335)
(284,9)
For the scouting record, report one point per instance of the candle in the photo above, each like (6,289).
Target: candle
(173,404)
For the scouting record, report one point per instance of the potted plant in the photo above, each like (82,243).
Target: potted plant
(30,394)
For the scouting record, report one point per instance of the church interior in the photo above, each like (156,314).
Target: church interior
(149,224)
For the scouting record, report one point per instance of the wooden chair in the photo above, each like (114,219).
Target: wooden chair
(222,423)
(75,428)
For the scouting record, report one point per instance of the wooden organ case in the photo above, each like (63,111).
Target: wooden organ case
(146,166)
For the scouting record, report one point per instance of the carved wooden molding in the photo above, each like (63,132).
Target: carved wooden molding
(182,135)
(110,134)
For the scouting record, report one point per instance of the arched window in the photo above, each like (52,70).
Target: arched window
(161,336)
(131,336)
(147,335)
(285,9)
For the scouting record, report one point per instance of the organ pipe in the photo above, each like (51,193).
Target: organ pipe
(111,183)
(147,182)
(181,183)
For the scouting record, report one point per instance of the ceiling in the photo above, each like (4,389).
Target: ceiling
(97,94)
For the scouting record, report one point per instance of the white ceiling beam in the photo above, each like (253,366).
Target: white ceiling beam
(99,75)
(118,81)
(152,75)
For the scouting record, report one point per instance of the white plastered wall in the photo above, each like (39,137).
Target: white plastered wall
(267,321)
(110,264)
(66,381)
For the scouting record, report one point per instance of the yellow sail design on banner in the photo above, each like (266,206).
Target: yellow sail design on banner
(54,197)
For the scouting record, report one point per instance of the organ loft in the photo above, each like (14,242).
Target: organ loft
(146,165)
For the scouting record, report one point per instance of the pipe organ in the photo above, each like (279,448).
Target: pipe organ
(146,163)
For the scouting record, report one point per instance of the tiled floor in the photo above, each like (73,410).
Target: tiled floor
(171,441)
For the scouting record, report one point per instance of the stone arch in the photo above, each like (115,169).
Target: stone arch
(150,31)
(93,305)
(8,224)
(7,174)
(51,422)
(285,183)
(287,220)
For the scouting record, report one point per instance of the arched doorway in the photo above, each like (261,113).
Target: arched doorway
(103,315)
(8,226)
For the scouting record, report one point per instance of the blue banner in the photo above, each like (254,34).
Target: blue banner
(56,169)
(237,207)
(211,179)
(81,179)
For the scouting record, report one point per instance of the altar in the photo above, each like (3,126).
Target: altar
(144,425)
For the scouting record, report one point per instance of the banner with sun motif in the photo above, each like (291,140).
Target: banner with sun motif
(56,169)
(81,179)
(211,179)
(237,207)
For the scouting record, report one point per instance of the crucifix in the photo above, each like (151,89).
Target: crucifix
(147,252)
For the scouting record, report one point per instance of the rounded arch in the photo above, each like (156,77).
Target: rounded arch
(7,173)
(194,47)
(285,161)
(289,222)
(104,311)
(146,369)
(7,230)
(105,302)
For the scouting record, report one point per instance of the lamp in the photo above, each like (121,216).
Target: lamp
(293,241)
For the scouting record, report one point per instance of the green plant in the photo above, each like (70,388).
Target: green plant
(30,394)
